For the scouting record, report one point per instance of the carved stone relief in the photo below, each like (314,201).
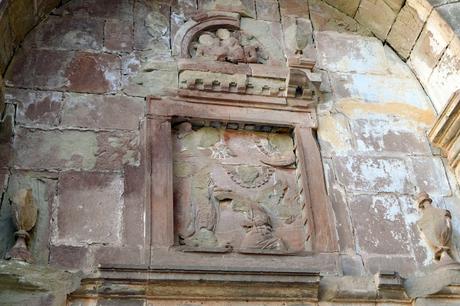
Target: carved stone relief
(226,45)
(236,190)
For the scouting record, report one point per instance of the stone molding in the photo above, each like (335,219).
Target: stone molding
(445,133)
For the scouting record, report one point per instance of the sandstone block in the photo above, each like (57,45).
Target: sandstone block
(350,53)
(451,14)
(435,37)
(69,33)
(404,265)
(44,7)
(243,7)
(268,10)
(36,107)
(349,7)
(181,11)
(22,18)
(379,224)
(430,175)
(65,70)
(298,34)
(374,89)
(412,16)
(106,9)
(94,73)
(6,43)
(118,35)
(327,18)
(97,200)
(445,78)
(103,112)
(389,135)
(334,135)
(295,8)
(377,15)
(352,265)
(70,149)
(151,26)
(373,174)
(67,256)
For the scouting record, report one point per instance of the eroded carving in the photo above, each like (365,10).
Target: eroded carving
(227,198)
(24,214)
(227,45)
(435,225)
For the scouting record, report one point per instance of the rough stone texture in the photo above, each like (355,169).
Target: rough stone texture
(296,8)
(327,18)
(243,7)
(72,149)
(59,70)
(349,7)
(445,78)
(107,9)
(268,10)
(105,112)
(68,33)
(151,26)
(36,107)
(118,35)
(97,199)
(377,15)
(373,174)
(412,16)
(435,37)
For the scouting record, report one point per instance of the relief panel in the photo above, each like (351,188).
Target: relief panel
(237,191)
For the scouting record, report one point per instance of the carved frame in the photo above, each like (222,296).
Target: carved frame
(161,113)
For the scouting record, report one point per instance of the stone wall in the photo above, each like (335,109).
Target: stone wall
(73,127)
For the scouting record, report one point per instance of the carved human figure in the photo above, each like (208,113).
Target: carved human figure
(435,225)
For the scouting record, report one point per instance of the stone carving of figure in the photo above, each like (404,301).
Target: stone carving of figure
(224,45)
(435,225)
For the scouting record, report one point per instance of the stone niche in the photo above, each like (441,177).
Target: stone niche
(236,190)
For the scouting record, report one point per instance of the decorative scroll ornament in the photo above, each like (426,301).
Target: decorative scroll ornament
(24,213)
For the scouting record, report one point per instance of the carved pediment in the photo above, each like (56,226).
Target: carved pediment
(218,60)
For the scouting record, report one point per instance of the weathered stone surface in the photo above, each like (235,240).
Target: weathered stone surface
(385,134)
(181,11)
(349,7)
(352,265)
(67,256)
(243,7)
(379,225)
(2,96)
(374,89)
(298,35)
(36,107)
(327,18)
(296,8)
(68,33)
(106,9)
(154,76)
(71,149)
(22,18)
(451,14)
(373,174)
(97,200)
(435,37)
(75,71)
(397,67)
(106,112)
(412,16)
(118,35)
(269,34)
(6,43)
(341,210)
(404,265)
(334,135)
(445,78)
(268,10)
(350,53)
(44,7)
(94,73)
(430,175)
(119,302)
(377,15)
(151,26)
